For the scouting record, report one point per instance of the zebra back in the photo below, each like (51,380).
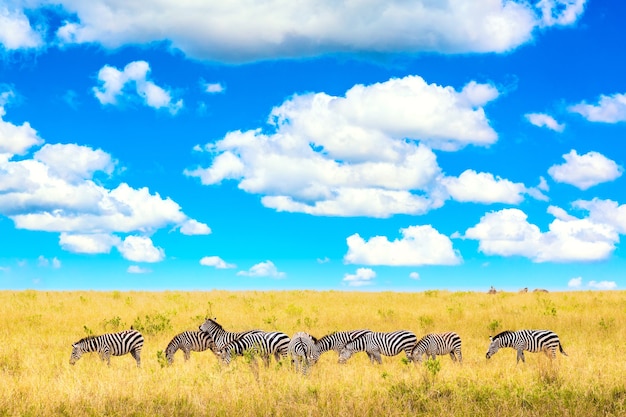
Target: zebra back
(259,343)
(438,344)
(110,344)
(377,343)
(187,341)
(336,341)
(220,336)
(530,340)
(301,349)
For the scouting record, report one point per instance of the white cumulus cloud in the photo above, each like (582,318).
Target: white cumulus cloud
(140,249)
(482,187)
(136,269)
(575,282)
(263,269)
(609,109)
(419,245)
(545,120)
(216,262)
(135,74)
(602,285)
(16,31)
(508,233)
(585,171)
(212,30)
(349,156)
(362,277)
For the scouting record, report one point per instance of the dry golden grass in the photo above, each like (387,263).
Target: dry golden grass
(38,328)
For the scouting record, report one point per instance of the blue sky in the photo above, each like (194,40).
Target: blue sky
(370,146)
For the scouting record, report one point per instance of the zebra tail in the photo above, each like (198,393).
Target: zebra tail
(561,349)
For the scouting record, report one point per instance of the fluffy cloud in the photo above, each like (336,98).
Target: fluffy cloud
(213,88)
(54,191)
(610,109)
(544,120)
(419,245)
(508,233)
(15,140)
(601,285)
(216,262)
(45,262)
(114,83)
(350,156)
(263,269)
(585,171)
(483,187)
(575,282)
(140,249)
(605,212)
(363,276)
(279,29)
(136,269)
(16,31)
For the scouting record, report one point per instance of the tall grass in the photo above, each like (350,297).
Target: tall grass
(38,328)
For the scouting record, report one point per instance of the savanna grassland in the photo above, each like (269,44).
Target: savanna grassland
(37,330)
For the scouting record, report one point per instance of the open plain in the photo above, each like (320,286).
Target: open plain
(38,328)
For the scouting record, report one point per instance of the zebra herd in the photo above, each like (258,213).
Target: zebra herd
(305,350)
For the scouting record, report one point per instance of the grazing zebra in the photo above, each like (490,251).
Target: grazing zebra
(377,343)
(438,344)
(220,336)
(300,349)
(336,341)
(110,344)
(531,340)
(259,343)
(188,341)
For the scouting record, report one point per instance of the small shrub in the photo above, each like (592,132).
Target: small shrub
(152,324)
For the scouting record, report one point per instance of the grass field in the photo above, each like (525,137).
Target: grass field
(37,330)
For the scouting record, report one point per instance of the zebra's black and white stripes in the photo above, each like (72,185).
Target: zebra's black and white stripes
(188,341)
(110,344)
(301,349)
(220,336)
(259,343)
(380,343)
(336,341)
(434,344)
(530,340)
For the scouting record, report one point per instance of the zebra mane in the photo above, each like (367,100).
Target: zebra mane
(502,334)
(215,323)
(85,339)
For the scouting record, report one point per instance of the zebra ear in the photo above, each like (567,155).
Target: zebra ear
(491,338)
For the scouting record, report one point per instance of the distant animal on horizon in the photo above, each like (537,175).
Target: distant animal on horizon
(434,344)
(530,340)
(188,341)
(301,349)
(492,290)
(539,290)
(379,343)
(110,344)
(523,290)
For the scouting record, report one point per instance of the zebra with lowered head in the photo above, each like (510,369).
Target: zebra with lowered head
(380,343)
(188,341)
(110,344)
(336,341)
(263,344)
(530,340)
(300,350)
(220,336)
(434,344)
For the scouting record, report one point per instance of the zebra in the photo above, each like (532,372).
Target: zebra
(438,344)
(220,336)
(110,344)
(336,341)
(377,343)
(531,340)
(188,341)
(300,349)
(259,343)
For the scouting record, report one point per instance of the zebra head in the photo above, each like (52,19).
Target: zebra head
(494,345)
(209,325)
(77,352)
(224,355)
(345,354)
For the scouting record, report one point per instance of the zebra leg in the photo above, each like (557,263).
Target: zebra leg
(520,355)
(266,360)
(453,356)
(137,355)
(187,353)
